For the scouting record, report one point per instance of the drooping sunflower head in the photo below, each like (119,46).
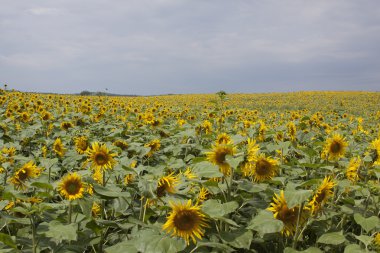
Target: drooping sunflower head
(186,220)
(352,172)
(289,216)
(154,146)
(264,168)
(25,173)
(167,184)
(323,193)
(218,157)
(81,144)
(252,149)
(100,157)
(71,186)
(58,147)
(335,147)
(223,138)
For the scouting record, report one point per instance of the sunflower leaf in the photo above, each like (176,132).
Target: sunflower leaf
(296,197)
(367,223)
(333,238)
(265,223)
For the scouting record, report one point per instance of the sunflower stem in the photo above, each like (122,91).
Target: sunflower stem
(70,211)
(295,238)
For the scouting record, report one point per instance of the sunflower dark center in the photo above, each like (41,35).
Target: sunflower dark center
(82,145)
(101,158)
(320,196)
(23,175)
(263,167)
(185,220)
(220,157)
(72,188)
(335,147)
(58,148)
(288,215)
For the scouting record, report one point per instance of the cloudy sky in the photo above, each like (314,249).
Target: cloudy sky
(194,46)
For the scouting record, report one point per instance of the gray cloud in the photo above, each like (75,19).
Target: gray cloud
(178,46)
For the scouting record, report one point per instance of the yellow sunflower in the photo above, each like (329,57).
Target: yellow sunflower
(129,178)
(321,196)
(203,194)
(58,147)
(186,221)
(375,147)
(154,146)
(218,157)
(292,131)
(376,240)
(121,144)
(100,157)
(252,149)
(288,216)
(81,144)
(352,172)
(167,184)
(23,174)
(71,186)
(223,138)
(66,125)
(95,210)
(263,168)
(335,147)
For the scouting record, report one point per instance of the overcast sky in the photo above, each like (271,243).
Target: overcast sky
(195,46)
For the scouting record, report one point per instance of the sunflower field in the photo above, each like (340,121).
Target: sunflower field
(276,172)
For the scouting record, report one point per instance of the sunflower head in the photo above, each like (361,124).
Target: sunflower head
(223,138)
(25,173)
(167,184)
(263,168)
(252,149)
(292,130)
(121,144)
(335,147)
(289,216)
(352,172)
(203,194)
(218,157)
(66,125)
(81,144)
(154,146)
(71,187)
(186,221)
(58,147)
(321,196)
(100,157)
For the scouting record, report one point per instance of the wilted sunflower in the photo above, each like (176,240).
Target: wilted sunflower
(335,147)
(321,196)
(218,157)
(58,147)
(263,168)
(71,186)
(167,184)
(186,221)
(154,146)
(352,172)
(100,157)
(223,138)
(289,216)
(81,144)
(23,174)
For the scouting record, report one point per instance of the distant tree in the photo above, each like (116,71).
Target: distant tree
(85,93)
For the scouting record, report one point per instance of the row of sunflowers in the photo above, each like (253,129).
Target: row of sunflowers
(275,172)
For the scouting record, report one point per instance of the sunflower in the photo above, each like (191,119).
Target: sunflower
(186,221)
(81,144)
(218,157)
(203,194)
(95,210)
(154,146)
(100,157)
(23,174)
(376,240)
(335,147)
(289,216)
(58,147)
(252,149)
(71,186)
(167,184)
(129,178)
(292,131)
(375,147)
(189,174)
(352,172)
(66,125)
(223,138)
(120,144)
(263,168)
(321,196)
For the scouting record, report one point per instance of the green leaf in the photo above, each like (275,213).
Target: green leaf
(109,192)
(265,223)
(367,223)
(296,197)
(42,185)
(122,247)
(59,231)
(207,169)
(8,240)
(333,238)
(221,246)
(364,239)
(239,238)
(214,209)
(309,250)
(354,248)
(150,241)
